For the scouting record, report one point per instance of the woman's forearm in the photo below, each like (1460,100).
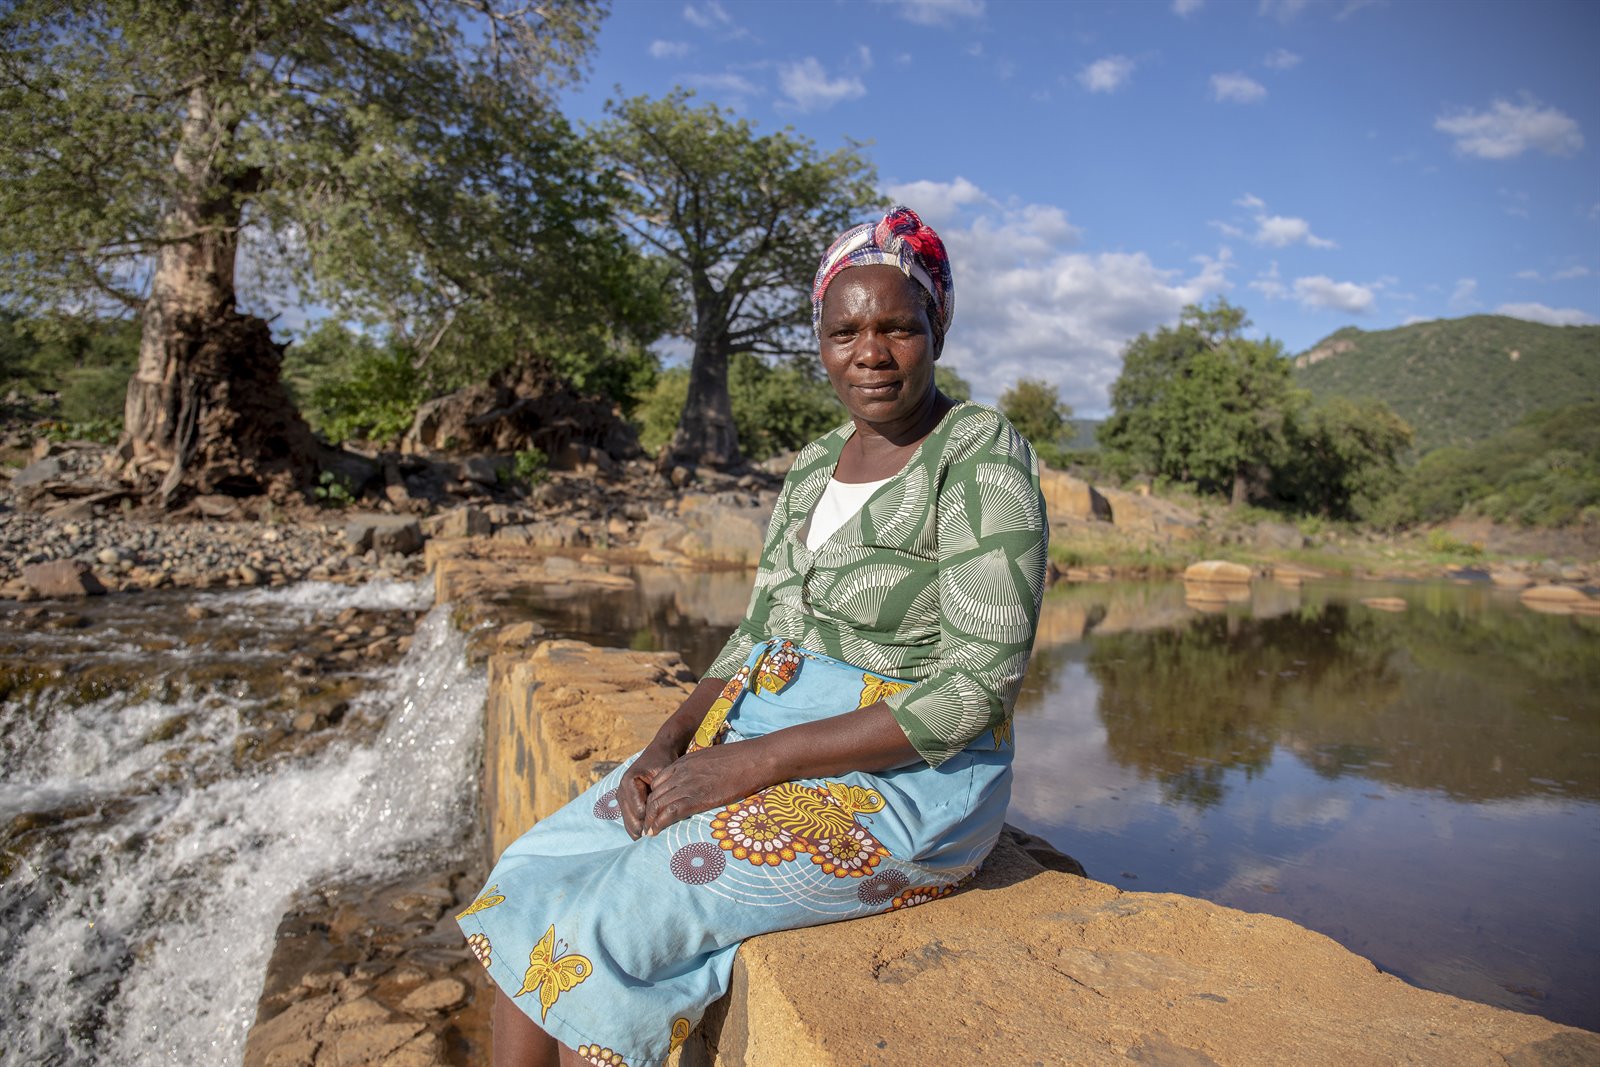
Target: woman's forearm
(865,740)
(675,732)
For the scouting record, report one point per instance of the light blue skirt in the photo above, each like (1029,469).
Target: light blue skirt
(616,947)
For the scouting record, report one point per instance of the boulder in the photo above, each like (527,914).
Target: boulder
(1384,603)
(40,471)
(557,533)
(1214,571)
(458,522)
(520,408)
(62,578)
(1066,497)
(1506,579)
(490,471)
(384,534)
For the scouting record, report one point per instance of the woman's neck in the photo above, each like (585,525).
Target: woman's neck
(877,451)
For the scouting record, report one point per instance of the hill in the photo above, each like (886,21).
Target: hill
(1457,381)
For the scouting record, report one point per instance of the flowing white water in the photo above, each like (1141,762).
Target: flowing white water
(141,938)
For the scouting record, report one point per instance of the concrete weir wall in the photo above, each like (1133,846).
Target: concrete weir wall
(1027,964)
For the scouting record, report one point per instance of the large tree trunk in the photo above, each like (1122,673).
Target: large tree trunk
(206,410)
(706,435)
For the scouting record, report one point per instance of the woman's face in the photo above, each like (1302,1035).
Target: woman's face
(878,346)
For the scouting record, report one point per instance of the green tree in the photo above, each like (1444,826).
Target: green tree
(777,406)
(1200,404)
(1035,408)
(952,384)
(742,219)
(1345,457)
(373,150)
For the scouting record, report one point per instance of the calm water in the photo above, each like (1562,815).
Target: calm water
(1423,787)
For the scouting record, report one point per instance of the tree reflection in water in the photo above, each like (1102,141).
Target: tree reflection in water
(1481,705)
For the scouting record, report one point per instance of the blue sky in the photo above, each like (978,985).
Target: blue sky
(1094,167)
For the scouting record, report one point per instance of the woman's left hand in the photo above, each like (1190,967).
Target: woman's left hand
(700,781)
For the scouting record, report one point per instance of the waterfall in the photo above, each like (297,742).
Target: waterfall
(139,933)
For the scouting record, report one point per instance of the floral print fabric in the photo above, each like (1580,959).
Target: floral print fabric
(616,947)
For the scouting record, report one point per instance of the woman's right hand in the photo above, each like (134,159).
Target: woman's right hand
(633,792)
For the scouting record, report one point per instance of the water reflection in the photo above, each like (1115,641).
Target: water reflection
(1424,787)
(1420,786)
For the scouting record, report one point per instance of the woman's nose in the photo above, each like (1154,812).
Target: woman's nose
(874,349)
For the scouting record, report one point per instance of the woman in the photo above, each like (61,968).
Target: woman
(849,750)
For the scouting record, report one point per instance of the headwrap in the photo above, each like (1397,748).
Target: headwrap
(901,240)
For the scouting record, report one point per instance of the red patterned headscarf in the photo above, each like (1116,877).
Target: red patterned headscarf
(901,240)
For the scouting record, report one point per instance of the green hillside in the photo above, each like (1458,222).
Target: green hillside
(1458,381)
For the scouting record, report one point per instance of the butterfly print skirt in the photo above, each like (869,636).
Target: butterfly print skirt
(616,947)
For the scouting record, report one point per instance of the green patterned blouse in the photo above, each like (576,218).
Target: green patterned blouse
(936,580)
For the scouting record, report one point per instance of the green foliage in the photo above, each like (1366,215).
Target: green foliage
(1444,544)
(401,162)
(951,384)
(333,491)
(1457,381)
(1344,459)
(85,362)
(1201,405)
(740,219)
(352,386)
(1035,408)
(778,406)
(1544,471)
(531,466)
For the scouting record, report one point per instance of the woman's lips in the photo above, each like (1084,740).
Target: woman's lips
(878,389)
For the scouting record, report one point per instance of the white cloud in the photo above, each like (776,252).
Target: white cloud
(1029,303)
(1277,231)
(1507,130)
(939,12)
(937,202)
(864,57)
(1269,284)
(1465,294)
(710,15)
(668,49)
(1570,273)
(808,87)
(1528,275)
(729,84)
(1283,10)
(1320,291)
(1236,89)
(1185,8)
(1281,59)
(1106,75)
(1548,315)
(1274,231)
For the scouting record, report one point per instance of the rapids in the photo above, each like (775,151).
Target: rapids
(145,865)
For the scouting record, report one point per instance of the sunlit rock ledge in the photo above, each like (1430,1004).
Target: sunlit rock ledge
(1028,963)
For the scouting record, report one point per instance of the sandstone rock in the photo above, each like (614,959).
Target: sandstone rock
(400,534)
(1553,594)
(62,578)
(248,575)
(358,1012)
(40,471)
(1510,579)
(442,994)
(1217,571)
(519,634)
(465,521)
(1066,497)
(109,556)
(557,533)
(1294,574)
(216,507)
(488,471)
(1384,603)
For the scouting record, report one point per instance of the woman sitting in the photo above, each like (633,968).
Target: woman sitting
(849,752)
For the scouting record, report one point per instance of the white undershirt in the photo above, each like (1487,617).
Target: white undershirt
(839,501)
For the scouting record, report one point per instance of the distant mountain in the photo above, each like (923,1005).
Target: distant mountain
(1457,381)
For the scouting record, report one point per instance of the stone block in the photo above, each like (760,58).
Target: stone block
(62,578)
